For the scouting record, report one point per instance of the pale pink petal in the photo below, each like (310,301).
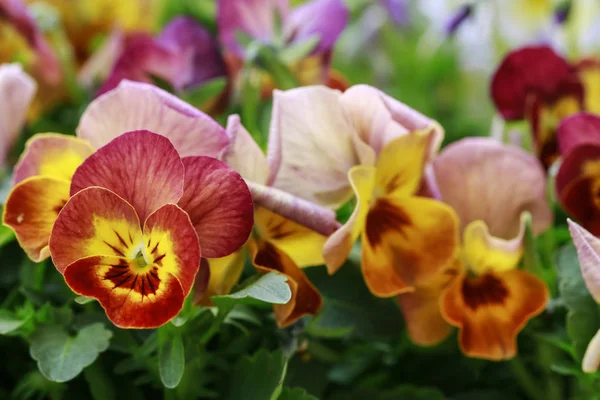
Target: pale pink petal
(312,145)
(134,106)
(16,93)
(219,205)
(243,154)
(141,167)
(486,180)
(588,252)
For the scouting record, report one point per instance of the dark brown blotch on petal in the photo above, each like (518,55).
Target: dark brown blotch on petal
(483,291)
(384,217)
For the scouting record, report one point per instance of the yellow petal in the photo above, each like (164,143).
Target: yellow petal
(225,272)
(400,164)
(303,245)
(483,253)
(339,244)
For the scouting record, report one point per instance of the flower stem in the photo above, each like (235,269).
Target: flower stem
(526,381)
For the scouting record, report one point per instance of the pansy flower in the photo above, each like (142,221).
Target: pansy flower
(184,55)
(277,244)
(578,177)
(326,146)
(42,178)
(275,23)
(588,252)
(138,222)
(537,84)
(489,185)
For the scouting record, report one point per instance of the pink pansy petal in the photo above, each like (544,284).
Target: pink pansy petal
(325,19)
(16,93)
(578,129)
(51,148)
(133,105)
(254,18)
(588,252)
(312,145)
(48,64)
(574,162)
(141,167)
(243,154)
(485,180)
(219,205)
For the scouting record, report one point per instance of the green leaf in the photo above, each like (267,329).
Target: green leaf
(270,288)
(349,307)
(295,394)
(171,357)
(567,368)
(583,318)
(531,259)
(10,322)
(258,377)
(298,50)
(6,235)
(83,300)
(61,357)
(409,392)
(207,91)
(101,385)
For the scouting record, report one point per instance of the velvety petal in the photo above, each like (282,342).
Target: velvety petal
(219,205)
(304,246)
(312,146)
(305,300)
(339,244)
(578,129)
(243,154)
(134,105)
(485,180)
(591,359)
(94,222)
(253,18)
(31,209)
(588,252)
(582,161)
(171,238)
(141,301)
(406,243)
(400,164)
(141,167)
(225,272)
(526,71)
(580,200)
(421,310)
(16,93)
(47,63)
(325,19)
(51,155)
(490,310)
(485,253)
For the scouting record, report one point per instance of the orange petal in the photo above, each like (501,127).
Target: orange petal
(305,300)
(421,310)
(406,243)
(31,209)
(131,300)
(491,310)
(94,222)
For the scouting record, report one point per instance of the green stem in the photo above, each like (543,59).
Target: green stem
(526,381)
(554,388)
